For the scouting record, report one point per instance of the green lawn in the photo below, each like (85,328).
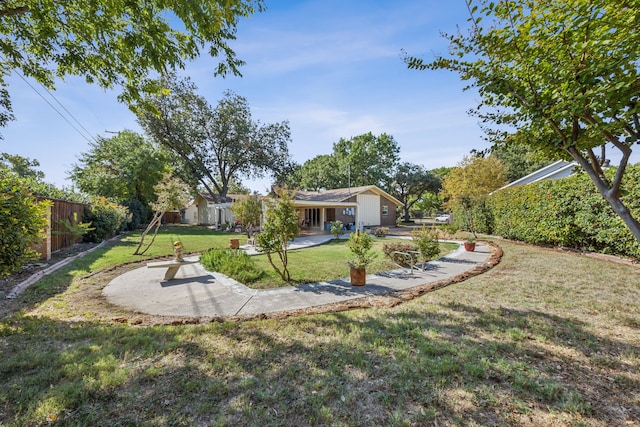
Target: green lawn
(545,338)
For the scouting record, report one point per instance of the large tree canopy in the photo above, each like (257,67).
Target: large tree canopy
(214,145)
(561,75)
(125,167)
(410,183)
(114,43)
(361,160)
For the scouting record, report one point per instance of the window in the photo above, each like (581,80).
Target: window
(385,210)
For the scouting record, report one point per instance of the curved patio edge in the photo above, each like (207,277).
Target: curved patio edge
(198,296)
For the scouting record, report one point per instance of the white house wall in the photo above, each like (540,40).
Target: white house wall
(369,209)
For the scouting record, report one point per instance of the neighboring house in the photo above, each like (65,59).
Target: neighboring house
(190,214)
(208,210)
(357,206)
(555,170)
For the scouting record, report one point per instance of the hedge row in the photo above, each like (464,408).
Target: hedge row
(566,212)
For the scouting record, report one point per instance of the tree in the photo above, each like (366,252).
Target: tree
(248,211)
(125,168)
(362,160)
(469,184)
(279,227)
(561,75)
(21,166)
(367,159)
(520,159)
(214,145)
(115,43)
(171,194)
(410,183)
(22,221)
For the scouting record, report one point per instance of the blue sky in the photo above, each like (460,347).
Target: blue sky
(333,69)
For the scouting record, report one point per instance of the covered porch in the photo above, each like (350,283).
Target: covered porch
(314,217)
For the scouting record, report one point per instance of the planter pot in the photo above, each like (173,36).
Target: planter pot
(469,247)
(358,276)
(234,243)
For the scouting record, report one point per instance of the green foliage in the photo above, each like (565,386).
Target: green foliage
(234,263)
(280,227)
(115,43)
(360,244)
(214,146)
(123,168)
(368,159)
(106,217)
(21,166)
(337,229)
(467,186)
(74,228)
(388,248)
(22,222)
(248,211)
(171,194)
(380,231)
(567,212)
(559,75)
(410,183)
(426,239)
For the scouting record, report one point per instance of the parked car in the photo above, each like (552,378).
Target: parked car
(443,218)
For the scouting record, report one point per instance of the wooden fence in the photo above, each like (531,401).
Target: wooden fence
(57,237)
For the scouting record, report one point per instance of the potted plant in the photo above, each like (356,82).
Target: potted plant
(470,244)
(360,244)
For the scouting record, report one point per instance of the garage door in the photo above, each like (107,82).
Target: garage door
(369,209)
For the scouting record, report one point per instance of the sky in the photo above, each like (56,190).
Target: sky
(331,68)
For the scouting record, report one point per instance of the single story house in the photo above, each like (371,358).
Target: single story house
(366,206)
(209,210)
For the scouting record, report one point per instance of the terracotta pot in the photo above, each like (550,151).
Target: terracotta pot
(469,247)
(358,276)
(234,243)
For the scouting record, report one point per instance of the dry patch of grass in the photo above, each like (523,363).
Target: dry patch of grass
(545,338)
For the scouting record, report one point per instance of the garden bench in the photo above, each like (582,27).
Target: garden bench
(172,266)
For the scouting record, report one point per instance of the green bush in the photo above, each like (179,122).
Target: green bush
(380,231)
(568,212)
(232,262)
(337,229)
(388,248)
(106,217)
(22,222)
(426,239)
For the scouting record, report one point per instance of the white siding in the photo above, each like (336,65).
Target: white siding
(369,209)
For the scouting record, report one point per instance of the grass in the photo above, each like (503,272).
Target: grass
(325,262)
(545,338)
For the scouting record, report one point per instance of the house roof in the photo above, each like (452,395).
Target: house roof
(342,194)
(216,199)
(555,170)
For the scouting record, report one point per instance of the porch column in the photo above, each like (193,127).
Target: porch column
(323,215)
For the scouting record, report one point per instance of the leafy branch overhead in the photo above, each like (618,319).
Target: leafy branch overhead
(115,43)
(559,75)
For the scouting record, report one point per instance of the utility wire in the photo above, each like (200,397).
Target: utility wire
(58,111)
(68,112)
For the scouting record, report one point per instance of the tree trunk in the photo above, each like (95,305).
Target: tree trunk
(610,192)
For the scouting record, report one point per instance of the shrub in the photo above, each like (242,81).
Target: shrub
(426,239)
(380,231)
(388,248)
(568,212)
(106,217)
(22,222)
(360,244)
(232,262)
(337,229)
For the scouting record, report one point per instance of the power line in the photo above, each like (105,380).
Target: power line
(68,112)
(58,111)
